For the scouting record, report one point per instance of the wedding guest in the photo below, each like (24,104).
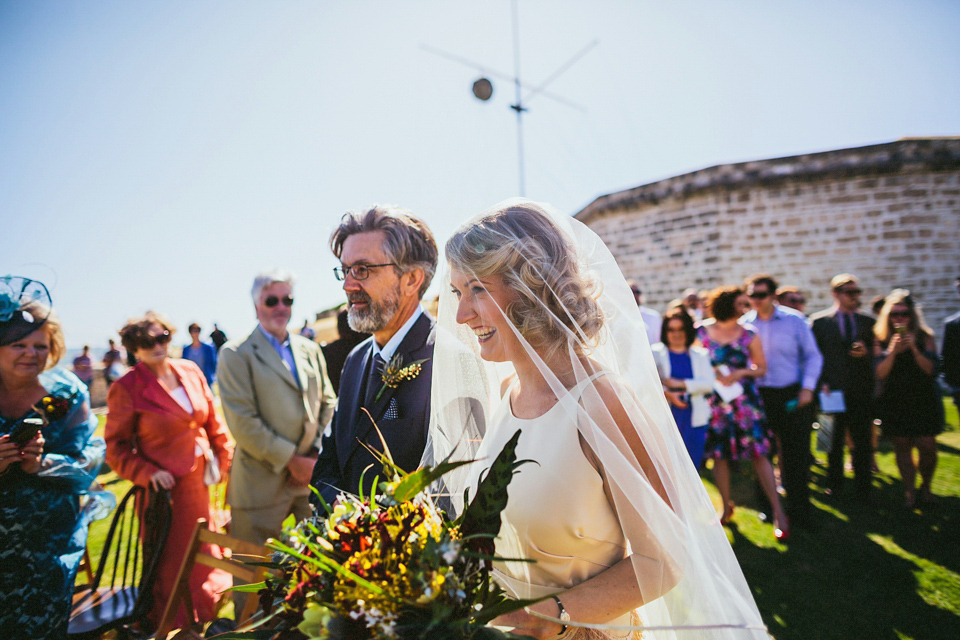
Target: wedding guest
(48,458)
(217,337)
(388,258)
(651,319)
(791,297)
(307,331)
(845,339)
(201,354)
(693,303)
(793,368)
(539,334)
(687,377)
(950,353)
(336,352)
(162,430)
(277,400)
(910,406)
(83,367)
(112,363)
(738,426)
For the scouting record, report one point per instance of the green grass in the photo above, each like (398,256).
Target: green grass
(869,571)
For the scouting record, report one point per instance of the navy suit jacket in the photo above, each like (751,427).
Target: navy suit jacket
(343,457)
(950,354)
(854,376)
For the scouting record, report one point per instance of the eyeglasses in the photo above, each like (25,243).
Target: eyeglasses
(358,271)
(850,292)
(797,300)
(273,301)
(760,295)
(149,342)
(899,314)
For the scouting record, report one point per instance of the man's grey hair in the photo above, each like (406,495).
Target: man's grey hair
(408,242)
(266,278)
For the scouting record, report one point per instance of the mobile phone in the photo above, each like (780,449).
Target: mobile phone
(25,431)
(900,328)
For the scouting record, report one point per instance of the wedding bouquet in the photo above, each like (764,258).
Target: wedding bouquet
(392,565)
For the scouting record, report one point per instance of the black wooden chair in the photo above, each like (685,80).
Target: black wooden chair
(132,548)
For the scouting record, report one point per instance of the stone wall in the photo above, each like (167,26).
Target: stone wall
(889,213)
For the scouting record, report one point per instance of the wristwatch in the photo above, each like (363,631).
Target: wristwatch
(563,616)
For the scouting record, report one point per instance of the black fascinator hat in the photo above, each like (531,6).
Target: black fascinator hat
(24,306)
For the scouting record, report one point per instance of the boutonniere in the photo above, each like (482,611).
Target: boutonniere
(395,372)
(51,408)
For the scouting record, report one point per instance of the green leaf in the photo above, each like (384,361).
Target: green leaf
(482,516)
(247,588)
(415,482)
(506,605)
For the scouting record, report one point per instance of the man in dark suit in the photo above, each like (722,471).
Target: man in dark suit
(388,258)
(845,338)
(950,354)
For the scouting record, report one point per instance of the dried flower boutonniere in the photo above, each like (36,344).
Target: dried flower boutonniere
(51,408)
(395,372)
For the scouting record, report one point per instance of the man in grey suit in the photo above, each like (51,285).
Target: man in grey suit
(276,399)
(388,258)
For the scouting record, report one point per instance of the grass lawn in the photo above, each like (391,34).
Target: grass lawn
(870,571)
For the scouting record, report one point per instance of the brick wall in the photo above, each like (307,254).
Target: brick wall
(888,213)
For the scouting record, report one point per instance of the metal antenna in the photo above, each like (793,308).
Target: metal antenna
(520,105)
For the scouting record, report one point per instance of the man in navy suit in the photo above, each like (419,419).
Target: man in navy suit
(845,338)
(950,354)
(388,258)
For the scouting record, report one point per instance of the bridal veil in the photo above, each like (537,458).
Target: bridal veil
(692,584)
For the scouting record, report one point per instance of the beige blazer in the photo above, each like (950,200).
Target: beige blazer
(270,416)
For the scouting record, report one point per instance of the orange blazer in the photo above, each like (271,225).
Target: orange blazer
(147,430)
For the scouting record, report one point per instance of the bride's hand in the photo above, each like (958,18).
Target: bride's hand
(522,623)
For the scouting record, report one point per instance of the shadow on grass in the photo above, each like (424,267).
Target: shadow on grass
(858,574)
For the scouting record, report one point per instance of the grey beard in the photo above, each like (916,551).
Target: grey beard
(376,316)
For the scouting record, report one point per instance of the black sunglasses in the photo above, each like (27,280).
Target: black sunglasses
(358,271)
(273,301)
(850,292)
(149,342)
(899,314)
(760,295)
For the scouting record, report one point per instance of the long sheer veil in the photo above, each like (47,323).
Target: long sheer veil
(691,582)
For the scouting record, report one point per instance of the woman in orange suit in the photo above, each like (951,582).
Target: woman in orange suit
(162,431)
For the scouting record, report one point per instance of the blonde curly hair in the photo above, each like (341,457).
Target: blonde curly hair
(555,304)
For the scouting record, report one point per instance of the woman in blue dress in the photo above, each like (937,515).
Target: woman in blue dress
(48,458)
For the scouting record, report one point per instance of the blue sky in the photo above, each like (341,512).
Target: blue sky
(158,154)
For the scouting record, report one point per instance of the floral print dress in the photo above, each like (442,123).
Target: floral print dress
(737,430)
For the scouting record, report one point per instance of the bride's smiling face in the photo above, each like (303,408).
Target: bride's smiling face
(482,307)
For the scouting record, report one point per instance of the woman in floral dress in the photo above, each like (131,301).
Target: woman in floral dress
(737,428)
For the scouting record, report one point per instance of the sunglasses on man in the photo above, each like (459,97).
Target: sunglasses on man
(272,301)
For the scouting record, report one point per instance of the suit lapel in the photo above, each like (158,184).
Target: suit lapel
(154,393)
(412,342)
(266,354)
(191,384)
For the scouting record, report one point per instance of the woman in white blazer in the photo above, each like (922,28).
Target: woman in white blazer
(687,377)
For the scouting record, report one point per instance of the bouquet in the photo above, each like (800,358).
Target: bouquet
(392,565)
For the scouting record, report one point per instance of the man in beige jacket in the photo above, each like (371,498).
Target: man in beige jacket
(276,399)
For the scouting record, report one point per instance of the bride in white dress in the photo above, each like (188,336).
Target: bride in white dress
(539,331)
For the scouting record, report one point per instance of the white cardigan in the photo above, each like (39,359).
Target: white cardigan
(699,387)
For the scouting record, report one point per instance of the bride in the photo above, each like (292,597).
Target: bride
(539,332)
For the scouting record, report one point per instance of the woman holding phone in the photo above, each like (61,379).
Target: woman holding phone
(910,407)
(48,458)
